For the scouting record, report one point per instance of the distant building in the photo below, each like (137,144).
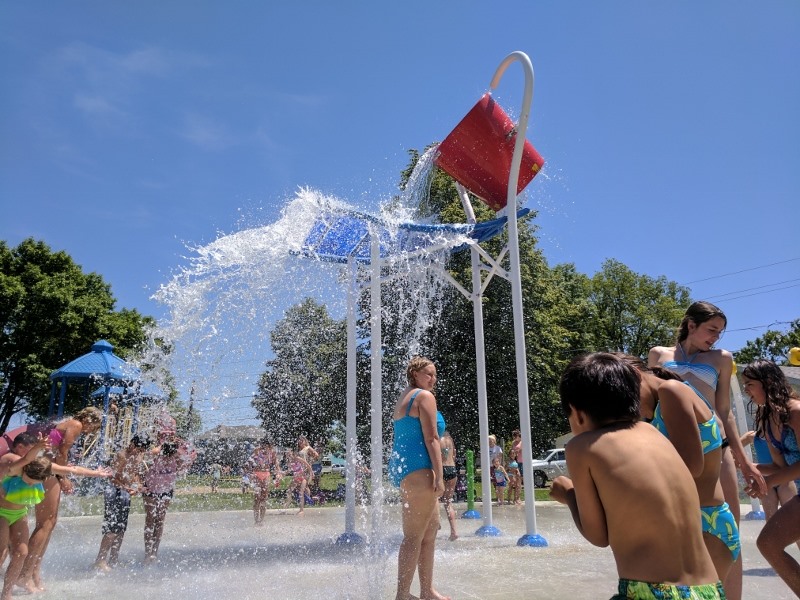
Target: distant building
(226,445)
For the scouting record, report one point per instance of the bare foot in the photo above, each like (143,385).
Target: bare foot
(453,537)
(29,585)
(300,513)
(149,560)
(102,566)
(433,595)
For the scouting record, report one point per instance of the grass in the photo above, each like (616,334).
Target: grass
(193,495)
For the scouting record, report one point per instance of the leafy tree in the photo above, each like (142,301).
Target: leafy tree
(303,389)
(633,313)
(773,345)
(50,313)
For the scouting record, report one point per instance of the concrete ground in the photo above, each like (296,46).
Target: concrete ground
(221,555)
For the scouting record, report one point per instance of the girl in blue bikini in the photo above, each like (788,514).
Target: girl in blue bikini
(675,409)
(709,371)
(778,420)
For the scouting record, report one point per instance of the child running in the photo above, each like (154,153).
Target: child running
(630,489)
(300,471)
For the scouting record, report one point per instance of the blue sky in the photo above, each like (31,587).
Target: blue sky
(670,130)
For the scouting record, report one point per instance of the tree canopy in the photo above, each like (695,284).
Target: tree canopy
(50,313)
(773,345)
(303,388)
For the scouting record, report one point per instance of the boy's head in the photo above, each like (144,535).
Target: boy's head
(23,442)
(602,386)
(139,442)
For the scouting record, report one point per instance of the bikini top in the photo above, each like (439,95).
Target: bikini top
(787,445)
(19,492)
(710,437)
(705,373)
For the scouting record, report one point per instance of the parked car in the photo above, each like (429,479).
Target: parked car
(551,464)
(333,464)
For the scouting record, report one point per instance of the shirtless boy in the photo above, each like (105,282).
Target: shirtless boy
(630,489)
(127,466)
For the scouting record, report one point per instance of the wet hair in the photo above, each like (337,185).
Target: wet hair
(641,366)
(91,415)
(415,365)
(602,385)
(38,469)
(140,440)
(169,448)
(25,438)
(697,313)
(776,390)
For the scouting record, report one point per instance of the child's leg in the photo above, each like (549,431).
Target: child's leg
(730,491)
(302,495)
(779,532)
(150,518)
(46,517)
(116,544)
(101,562)
(18,549)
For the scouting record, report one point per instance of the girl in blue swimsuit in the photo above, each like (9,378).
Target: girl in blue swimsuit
(688,421)
(416,466)
(709,370)
(778,419)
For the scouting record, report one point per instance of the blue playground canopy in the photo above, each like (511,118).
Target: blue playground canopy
(339,236)
(100,366)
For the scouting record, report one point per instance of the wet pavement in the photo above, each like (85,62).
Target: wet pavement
(221,555)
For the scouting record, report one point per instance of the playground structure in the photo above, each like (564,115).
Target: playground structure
(484,154)
(128,406)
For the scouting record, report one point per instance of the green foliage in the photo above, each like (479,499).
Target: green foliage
(303,388)
(633,313)
(773,345)
(50,313)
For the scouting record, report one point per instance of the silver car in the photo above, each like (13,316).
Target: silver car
(551,464)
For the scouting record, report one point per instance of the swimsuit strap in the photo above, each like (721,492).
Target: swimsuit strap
(410,402)
(775,443)
(688,359)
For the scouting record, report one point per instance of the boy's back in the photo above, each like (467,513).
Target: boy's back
(630,489)
(635,493)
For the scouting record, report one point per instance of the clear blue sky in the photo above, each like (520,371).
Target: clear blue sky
(671,131)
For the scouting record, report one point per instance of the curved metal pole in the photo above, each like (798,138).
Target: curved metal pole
(531,538)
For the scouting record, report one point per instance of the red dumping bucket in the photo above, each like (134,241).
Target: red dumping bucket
(478,153)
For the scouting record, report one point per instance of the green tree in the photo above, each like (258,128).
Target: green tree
(50,313)
(633,313)
(303,388)
(773,345)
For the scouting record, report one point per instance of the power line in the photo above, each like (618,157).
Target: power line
(760,287)
(764,292)
(780,262)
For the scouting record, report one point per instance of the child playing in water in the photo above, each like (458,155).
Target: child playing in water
(630,489)
(22,487)
(127,480)
(500,478)
(778,420)
(301,473)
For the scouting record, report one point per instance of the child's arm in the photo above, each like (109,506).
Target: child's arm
(677,409)
(14,467)
(782,474)
(581,496)
(80,471)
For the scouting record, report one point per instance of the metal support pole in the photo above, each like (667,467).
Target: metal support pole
(376,407)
